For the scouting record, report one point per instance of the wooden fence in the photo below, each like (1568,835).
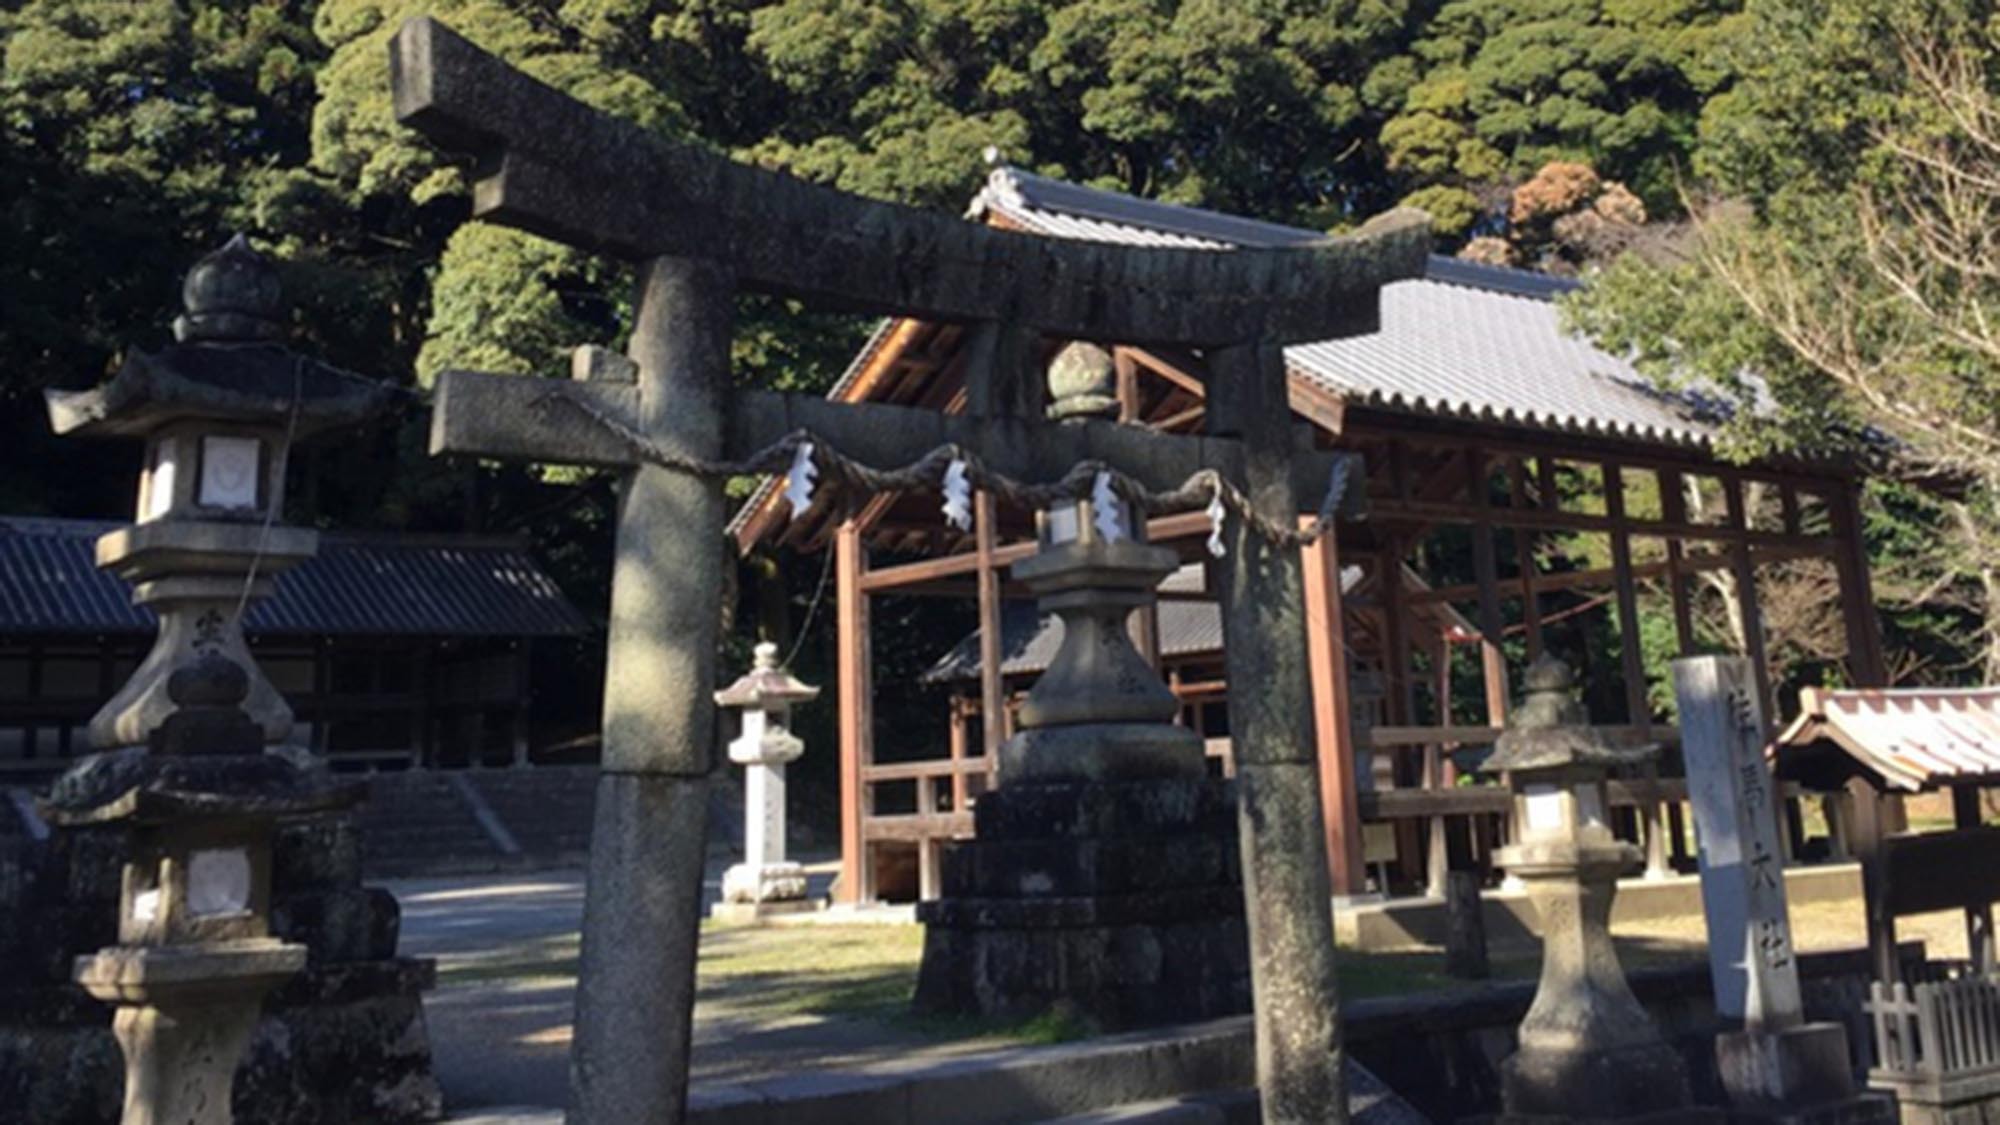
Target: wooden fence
(1936,1029)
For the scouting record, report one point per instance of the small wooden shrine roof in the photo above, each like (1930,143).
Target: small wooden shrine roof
(1911,739)
(373,584)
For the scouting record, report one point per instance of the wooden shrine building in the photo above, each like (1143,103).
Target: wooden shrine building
(1863,747)
(1486,432)
(395,650)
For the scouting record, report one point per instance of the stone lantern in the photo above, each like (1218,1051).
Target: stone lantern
(219,411)
(1099,712)
(195,956)
(190,754)
(1588,1050)
(1103,878)
(764,883)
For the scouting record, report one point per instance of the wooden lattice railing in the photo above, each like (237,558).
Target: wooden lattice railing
(1936,1029)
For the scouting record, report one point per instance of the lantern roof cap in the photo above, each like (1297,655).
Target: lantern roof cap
(206,761)
(1550,728)
(227,364)
(231,296)
(765,684)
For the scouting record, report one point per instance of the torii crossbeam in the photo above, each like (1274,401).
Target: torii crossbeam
(701,228)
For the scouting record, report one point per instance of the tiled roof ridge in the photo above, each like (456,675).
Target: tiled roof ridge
(356,537)
(1010,189)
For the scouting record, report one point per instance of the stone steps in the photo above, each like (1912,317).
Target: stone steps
(546,809)
(424,822)
(415,823)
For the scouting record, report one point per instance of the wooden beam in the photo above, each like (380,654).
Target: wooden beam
(1605,576)
(1366,422)
(855,692)
(1384,509)
(1183,370)
(1326,635)
(1159,529)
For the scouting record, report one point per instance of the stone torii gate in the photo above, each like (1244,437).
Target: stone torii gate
(700,228)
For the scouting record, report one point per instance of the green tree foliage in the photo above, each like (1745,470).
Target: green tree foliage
(129,133)
(1253,107)
(1836,281)
(1493,89)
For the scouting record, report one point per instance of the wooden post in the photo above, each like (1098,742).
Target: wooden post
(1399,700)
(1465,928)
(523,691)
(1745,570)
(1979,943)
(957,740)
(1864,839)
(1524,553)
(1126,368)
(426,718)
(1326,632)
(322,692)
(1437,849)
(1857,598)
(927,845)
(1486,571)
(1673,508)
(1638,712)
(856,705)
(992,682)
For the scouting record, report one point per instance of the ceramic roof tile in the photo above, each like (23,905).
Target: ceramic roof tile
(1469,341)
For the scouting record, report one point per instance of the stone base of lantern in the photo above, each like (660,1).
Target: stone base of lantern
(185,1014)
(770,883)
(749,913)
(1120,902)
(1598,1086)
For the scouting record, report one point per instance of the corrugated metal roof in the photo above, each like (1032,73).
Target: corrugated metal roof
(1469,341)
(372,585)
(1909,738)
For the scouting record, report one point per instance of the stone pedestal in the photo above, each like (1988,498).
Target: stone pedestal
(1118,901)
(1589,1052)
(1104,878)
(1796,1076)
(184,1018)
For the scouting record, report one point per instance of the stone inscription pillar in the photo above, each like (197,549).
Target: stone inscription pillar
(1774,1066)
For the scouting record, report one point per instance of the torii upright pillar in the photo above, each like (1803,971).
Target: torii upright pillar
(701,228)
